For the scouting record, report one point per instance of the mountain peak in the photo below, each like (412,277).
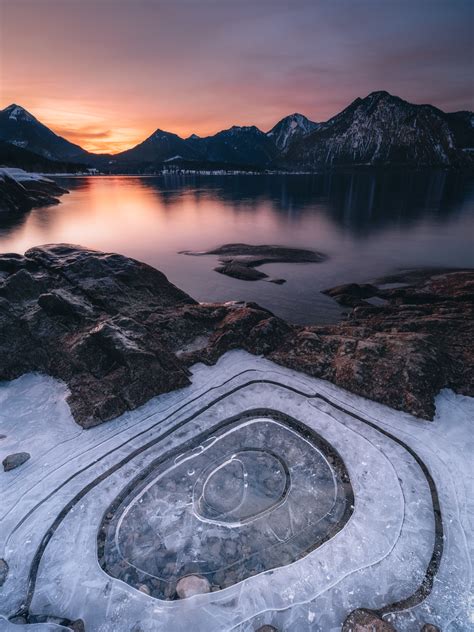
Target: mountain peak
(16,112)
(379,94)
(289,127)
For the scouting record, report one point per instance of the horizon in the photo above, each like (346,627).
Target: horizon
(156,129)
(190,68)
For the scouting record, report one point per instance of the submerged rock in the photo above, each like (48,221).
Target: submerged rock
(192,585)
(118,333)
(12,461)
(3,571)
(240,260)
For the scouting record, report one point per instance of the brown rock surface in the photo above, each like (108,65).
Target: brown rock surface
(118,332)
(366,621)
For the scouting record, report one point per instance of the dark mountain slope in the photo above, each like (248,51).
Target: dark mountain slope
(385,130)
(289,129)
(20,128)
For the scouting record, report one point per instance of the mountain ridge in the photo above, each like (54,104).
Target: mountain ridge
(379,129)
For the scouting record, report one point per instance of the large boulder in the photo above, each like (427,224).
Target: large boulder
(118,333)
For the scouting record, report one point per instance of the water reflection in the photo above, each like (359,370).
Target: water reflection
(367,222)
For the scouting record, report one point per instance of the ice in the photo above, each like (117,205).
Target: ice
(224,447)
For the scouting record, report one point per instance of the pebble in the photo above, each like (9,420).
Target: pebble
(192,585)
(12,461)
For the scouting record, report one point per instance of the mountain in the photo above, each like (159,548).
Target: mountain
(236,145)
(382,129)
(13,156)
(20,128)
(379,129)
(158,147)
(289,129)
(239,145)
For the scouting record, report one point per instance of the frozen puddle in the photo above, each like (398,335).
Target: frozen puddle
(248,496)
(293,501)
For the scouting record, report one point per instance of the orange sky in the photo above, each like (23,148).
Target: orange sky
(106,73)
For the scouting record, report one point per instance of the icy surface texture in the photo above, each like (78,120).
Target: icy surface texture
(410,480)
(251,496)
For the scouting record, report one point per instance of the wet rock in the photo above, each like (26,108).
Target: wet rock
(3,571)
(12,461)
(78,626)
(192,585)
(429,627)
(266,628)
(366,621)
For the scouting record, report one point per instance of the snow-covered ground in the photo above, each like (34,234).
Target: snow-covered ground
(52,506)
(22,176)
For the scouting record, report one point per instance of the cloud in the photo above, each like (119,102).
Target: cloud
(83,133)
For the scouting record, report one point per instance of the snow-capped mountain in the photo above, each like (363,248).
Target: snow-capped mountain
(20,128)
(379,129)
(382,129)
(289,128)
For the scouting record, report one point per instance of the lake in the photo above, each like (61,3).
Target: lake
(368,223)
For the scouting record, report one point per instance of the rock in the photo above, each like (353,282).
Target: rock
(240,271)
(192,585)
(429,627)
(266,628)
(277,281)
(3,571)
(351,294)
(118,333)
(144,589)
(240,260)
(400,353)
(20,192)
(12,461)
(362,620)
(78,626)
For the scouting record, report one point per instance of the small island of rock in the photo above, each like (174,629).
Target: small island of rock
(241,260)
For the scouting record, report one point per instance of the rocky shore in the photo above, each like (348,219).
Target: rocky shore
(118,333)
(21,191)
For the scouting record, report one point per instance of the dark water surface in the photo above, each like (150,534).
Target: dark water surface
(369,224)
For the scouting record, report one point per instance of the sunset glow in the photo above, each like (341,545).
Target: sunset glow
(107,74)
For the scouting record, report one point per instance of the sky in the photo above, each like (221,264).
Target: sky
(107,73)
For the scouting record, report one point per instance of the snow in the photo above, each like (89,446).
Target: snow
(178,157)
(20,143)
(22,176)
(289,127)
(379,557)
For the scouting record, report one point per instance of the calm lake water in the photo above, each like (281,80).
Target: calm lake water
(369,224)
